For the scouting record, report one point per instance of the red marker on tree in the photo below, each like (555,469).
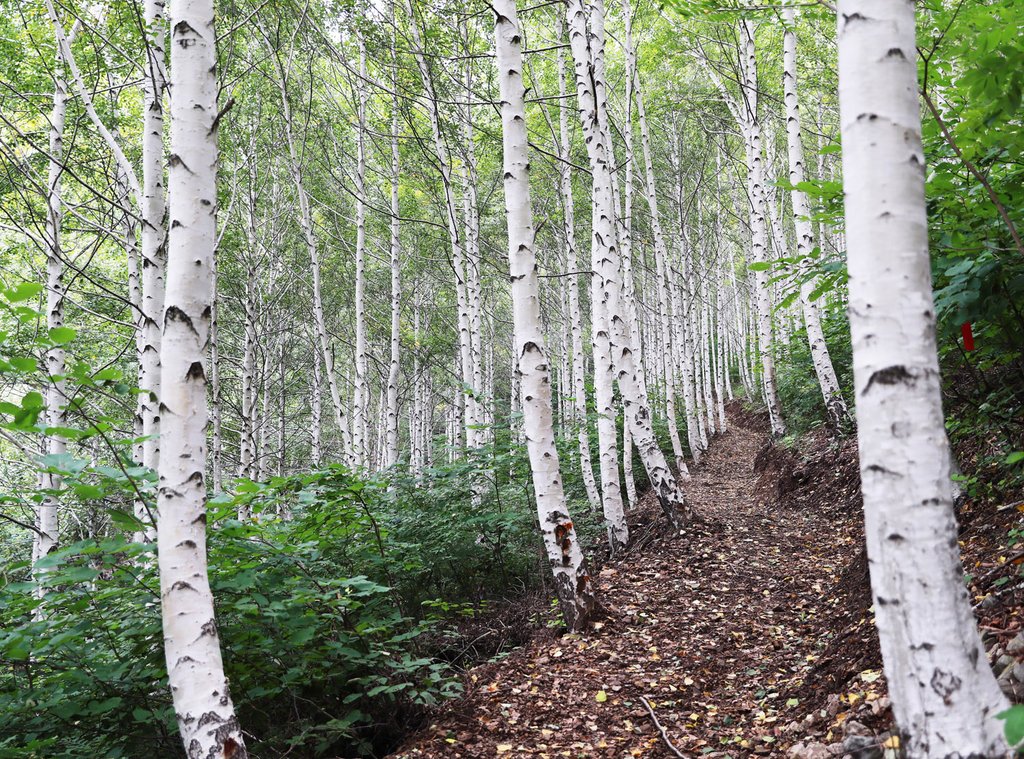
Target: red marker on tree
(965,330)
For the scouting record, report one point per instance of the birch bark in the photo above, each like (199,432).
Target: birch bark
(759,230)
(944,695)
(606,288)
(47,517)
(572,286)
(563,550)
(361,396)
(309,237)
(206,715)
(153,236)
(660,251)
(391,446)
(835,405)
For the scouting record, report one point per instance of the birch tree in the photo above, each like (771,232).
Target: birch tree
(199,688)
(944,695)
(47,517)
(560,539)
(610,322)
(835,405)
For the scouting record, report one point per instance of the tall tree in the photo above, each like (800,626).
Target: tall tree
(560,539)
(835,405)
(206,714)
(610,322)
(944,695)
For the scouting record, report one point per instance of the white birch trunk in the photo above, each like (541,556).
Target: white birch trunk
(578,357)
(660,252)
(154,239)
(560,539)
(452,222)
(943,693)
(206,715)
(391,447)
(361,395)
(759,227)
(47,517)
(316,416)
(629,480)
(602,236)
(835,405)
(606,289)
(216,443)
(309,237)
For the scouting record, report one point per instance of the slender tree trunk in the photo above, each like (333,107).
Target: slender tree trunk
(578,357)
(154,237)
(660,254)
(361,395)
(316,416)
(629,479)
(758,225)
(309,237)
(606,289)
(603,235)
(452,222)
(563,550)
(835,405)
(216,452)
(391,456)
(47,524)
(206,715)
(943,693)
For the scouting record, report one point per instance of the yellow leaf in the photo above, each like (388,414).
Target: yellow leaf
(688,681)
(504,748)
(601,697)
(892,742)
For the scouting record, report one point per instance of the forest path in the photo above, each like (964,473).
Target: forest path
(717,628)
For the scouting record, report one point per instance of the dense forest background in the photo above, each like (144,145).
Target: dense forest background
(371,523)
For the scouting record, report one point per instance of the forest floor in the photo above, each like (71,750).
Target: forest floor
(749,633)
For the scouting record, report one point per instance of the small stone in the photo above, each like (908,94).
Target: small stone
(863,746)
(832,705)
(1018,672)
(1016,646)
(1003,661)
(1012,688)
(816,751)
(879,705)
(837,749)
(796,750)
(853,727)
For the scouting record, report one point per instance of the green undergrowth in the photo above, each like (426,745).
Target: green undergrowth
(336,607)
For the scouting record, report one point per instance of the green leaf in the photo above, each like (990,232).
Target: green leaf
(1014,727)
(62,335)
(759,266)
(24,291)
(125,521)
(87,492)
(24,363)
(1015,457)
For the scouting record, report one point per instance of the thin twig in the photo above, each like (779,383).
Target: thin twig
(661,730)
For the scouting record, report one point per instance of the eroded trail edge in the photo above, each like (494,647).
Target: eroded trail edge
(722,628)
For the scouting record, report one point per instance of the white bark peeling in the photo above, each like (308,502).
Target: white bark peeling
(943,692)
(560,540)
(206,715)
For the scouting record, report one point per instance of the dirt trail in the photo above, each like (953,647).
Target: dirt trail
(718,628)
